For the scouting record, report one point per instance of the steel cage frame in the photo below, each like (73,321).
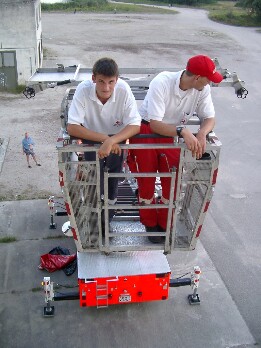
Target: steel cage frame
(195,186)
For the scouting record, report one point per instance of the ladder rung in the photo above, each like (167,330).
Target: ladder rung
(102,297)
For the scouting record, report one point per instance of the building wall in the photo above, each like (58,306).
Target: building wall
(21,31)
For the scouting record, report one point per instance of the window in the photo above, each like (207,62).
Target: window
(8,59)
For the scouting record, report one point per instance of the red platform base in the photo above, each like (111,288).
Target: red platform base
(103,292)
(122,278)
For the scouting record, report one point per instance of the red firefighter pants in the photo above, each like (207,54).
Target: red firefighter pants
(153,160)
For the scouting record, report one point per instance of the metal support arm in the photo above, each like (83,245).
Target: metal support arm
(68,296)
(175,283)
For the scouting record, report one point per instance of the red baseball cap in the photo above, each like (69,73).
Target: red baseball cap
(205,67)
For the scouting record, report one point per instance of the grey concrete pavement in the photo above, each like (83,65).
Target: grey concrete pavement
(173,323)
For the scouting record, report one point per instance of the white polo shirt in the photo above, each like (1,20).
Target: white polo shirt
(166,102)
(118,112)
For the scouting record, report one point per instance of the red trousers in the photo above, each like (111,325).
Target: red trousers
(153,160)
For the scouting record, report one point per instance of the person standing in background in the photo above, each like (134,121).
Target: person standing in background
(27,148)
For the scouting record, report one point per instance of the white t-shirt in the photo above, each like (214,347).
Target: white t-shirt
(118,112)
(164,102)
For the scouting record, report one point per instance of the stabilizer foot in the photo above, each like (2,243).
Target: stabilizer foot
(194,299)
(48,311)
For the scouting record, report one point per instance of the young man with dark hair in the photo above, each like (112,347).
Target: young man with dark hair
(172,99)
(105,66)
(104,111)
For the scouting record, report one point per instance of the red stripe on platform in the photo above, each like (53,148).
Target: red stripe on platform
(68,208)
(74,234)
(61,178)
(199,230)
(206,207)
(214,180)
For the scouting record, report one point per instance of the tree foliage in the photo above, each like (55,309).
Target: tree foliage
(253,6)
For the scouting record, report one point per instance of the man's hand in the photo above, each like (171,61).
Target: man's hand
(105,149)
(202,141)
(193,143)
(108,147)
(206,127)
(116,149)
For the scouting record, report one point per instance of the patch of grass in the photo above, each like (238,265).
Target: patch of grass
(55,237)
(228,13)
(45,53)
(12,198)
(7,239)
(48,53)
(124,8)
(37,289)
(107,8)
(17,90)
(27,196)
(148,2)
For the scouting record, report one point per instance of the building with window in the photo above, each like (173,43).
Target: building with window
(21,51)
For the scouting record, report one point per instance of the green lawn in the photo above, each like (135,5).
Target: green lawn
(227,12)
(222,11)
(106,8)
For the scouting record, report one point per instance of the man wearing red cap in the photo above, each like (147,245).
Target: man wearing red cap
(172,99)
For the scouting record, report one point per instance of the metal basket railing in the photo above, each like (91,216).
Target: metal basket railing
(80,182)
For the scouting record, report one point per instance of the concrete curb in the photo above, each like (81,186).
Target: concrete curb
(3,147)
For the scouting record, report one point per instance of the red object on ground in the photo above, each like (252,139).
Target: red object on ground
(52,263)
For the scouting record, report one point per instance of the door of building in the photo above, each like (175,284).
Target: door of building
(8,70)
